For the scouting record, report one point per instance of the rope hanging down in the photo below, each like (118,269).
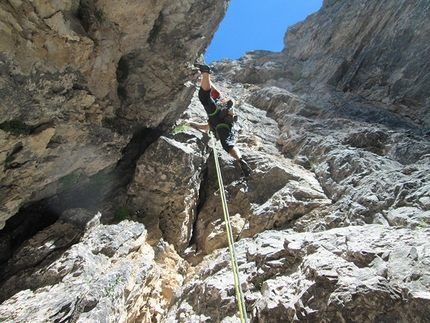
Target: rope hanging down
(239,292)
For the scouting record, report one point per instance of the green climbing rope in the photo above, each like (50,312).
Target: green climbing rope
(238,287)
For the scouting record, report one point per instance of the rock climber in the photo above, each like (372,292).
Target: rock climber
(220,116)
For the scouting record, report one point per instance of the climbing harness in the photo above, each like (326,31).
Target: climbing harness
(238,287)
(223,125)
(214,113)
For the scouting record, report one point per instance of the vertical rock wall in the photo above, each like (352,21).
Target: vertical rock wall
(374,48)
(332,226)
(78,78)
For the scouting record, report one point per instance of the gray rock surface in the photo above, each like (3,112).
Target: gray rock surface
(165,189)
(369,273)
(333,225)
(110,274)
(81,77)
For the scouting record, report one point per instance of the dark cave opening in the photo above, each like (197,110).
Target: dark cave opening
(39,215)
(25,224)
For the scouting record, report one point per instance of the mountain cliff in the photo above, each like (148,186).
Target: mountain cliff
(109,216)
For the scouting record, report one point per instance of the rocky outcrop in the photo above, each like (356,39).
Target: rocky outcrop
(358,274)
(333,225)
(78,78)
(111,275)
(167,191)
(361,165)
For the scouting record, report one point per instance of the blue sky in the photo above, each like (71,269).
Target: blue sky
(257,24)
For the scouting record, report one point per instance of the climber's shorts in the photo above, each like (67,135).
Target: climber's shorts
(227,137)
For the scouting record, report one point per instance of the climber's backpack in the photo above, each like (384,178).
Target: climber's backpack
(226,112)
(224,108)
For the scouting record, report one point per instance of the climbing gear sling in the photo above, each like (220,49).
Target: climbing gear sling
(180,129)
(238,287)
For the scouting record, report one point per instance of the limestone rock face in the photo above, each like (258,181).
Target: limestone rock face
(81,76)
(332,226)
(167,191)
(52,159)
(327,277)
(372,49)
(108,275)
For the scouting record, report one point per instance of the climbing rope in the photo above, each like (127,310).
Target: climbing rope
(238,287)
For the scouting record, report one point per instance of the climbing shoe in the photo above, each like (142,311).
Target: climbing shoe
(203,68)
(245,167)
